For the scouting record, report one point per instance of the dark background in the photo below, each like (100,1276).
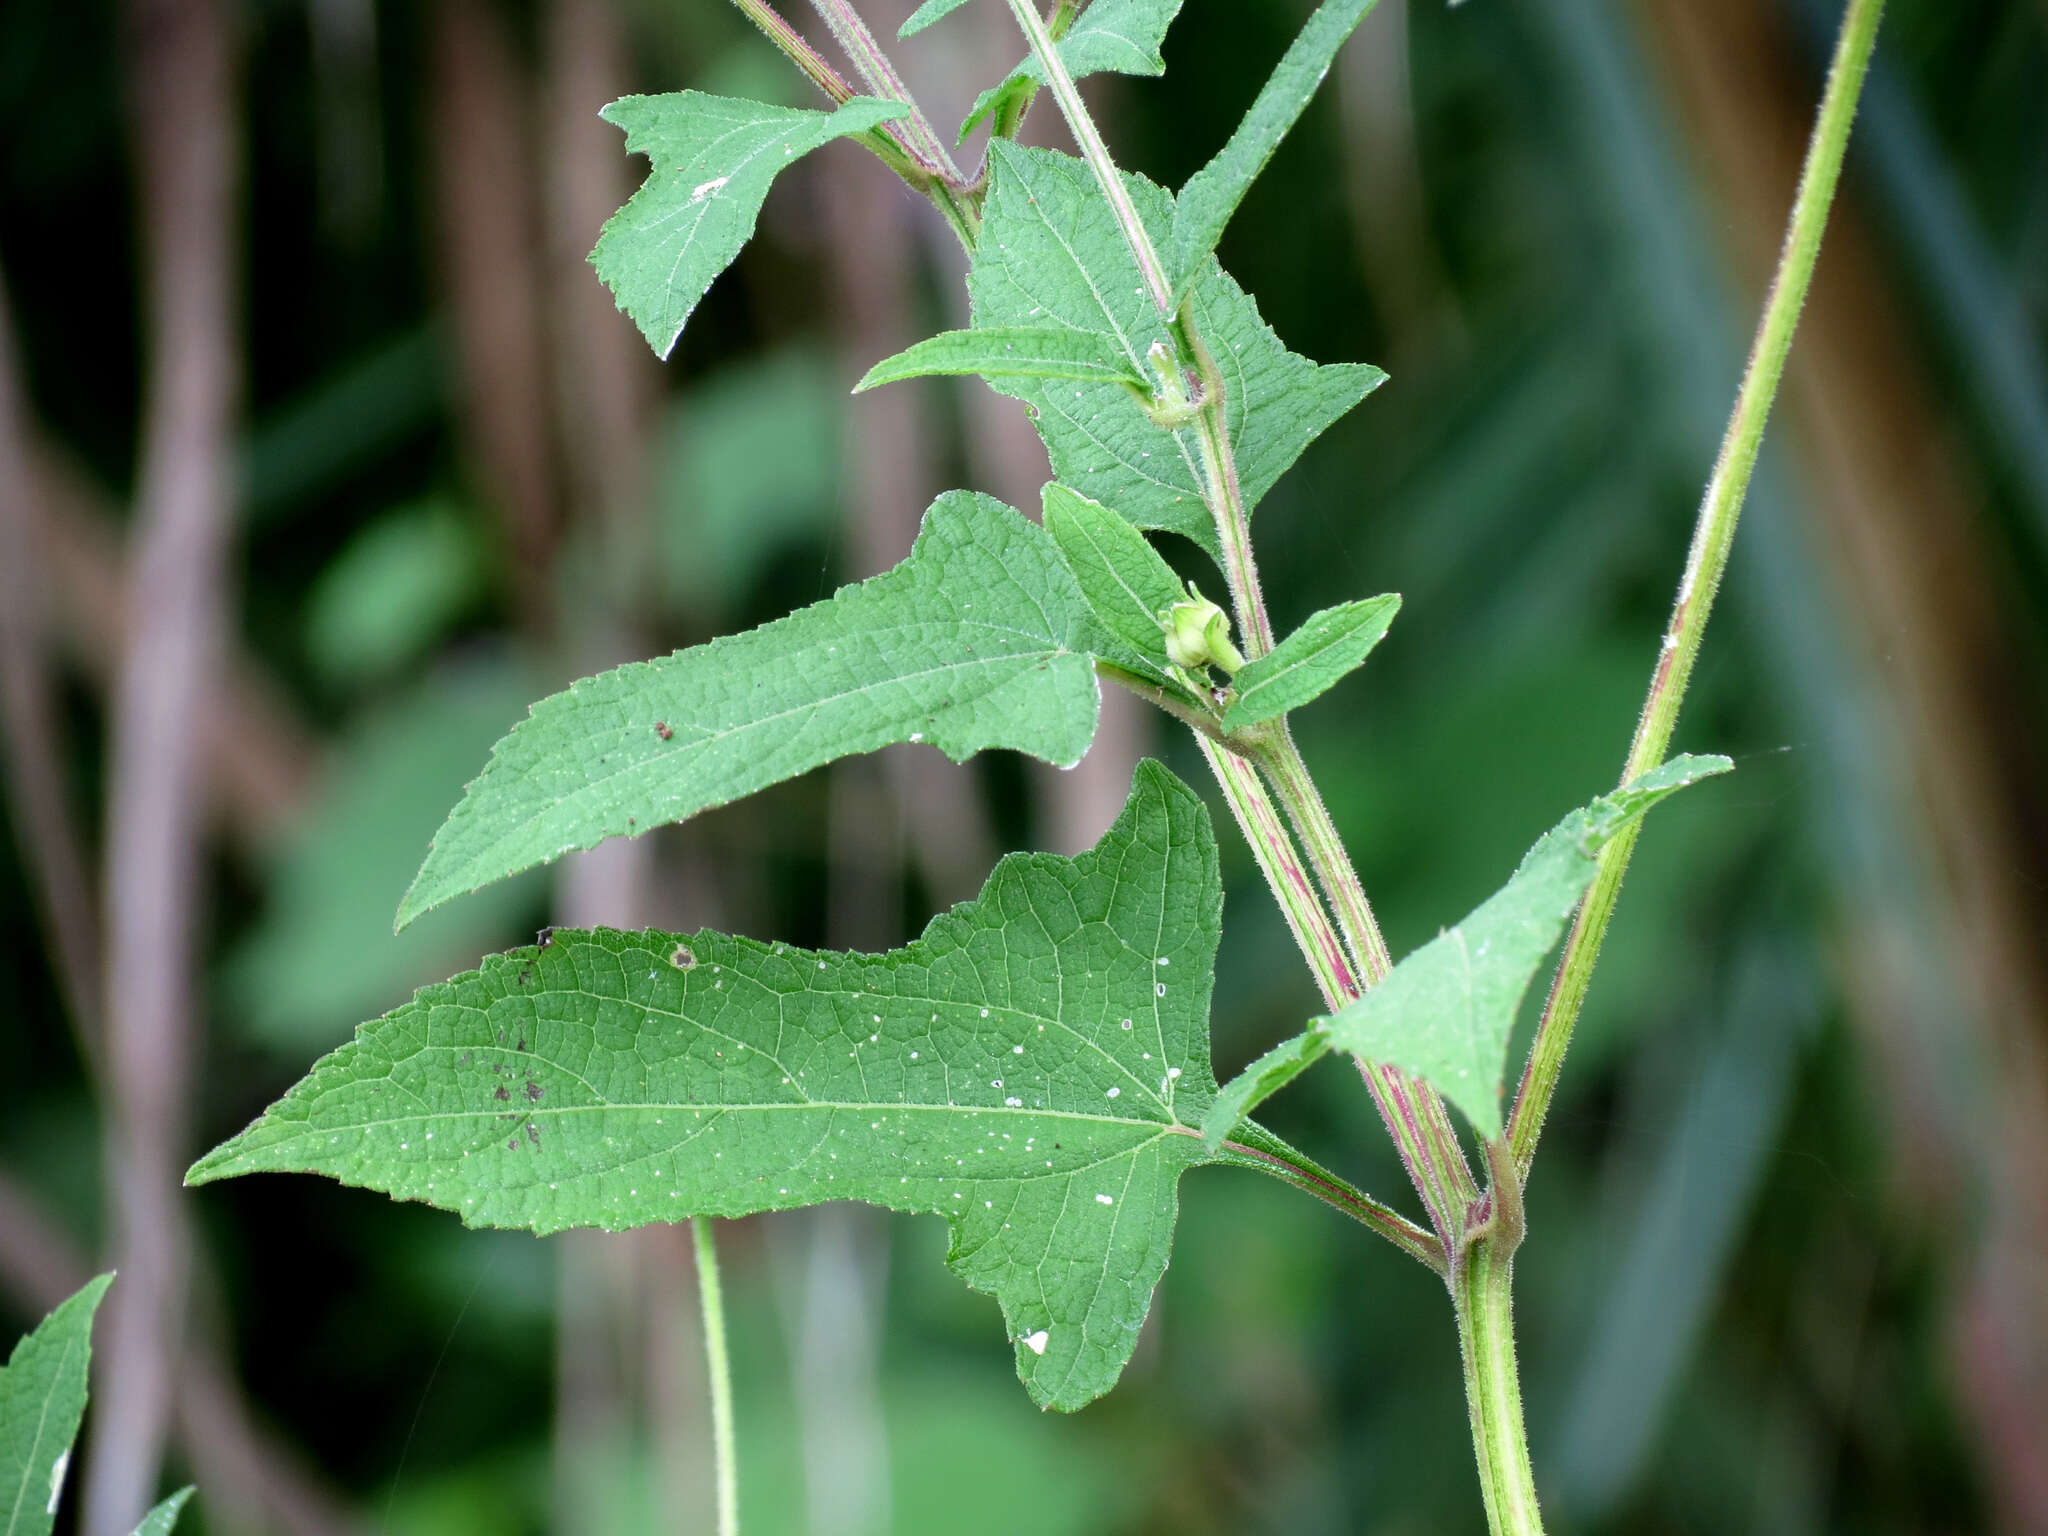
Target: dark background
(1790,1228)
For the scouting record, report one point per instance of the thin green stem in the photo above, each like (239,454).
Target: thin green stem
(1225,494)
(1482,1292)
(1713,536)
(797,49)
(1411,1111)
(1273,1157)
(719,1365)
(1089,141)
(1194,719)
(961,208)
(1296,790)
(1256,817)
(1009,117)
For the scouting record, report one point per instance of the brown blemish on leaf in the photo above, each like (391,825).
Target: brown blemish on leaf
(533,1092)
(545,937)
(683,958)
(661,729)
(503,1094)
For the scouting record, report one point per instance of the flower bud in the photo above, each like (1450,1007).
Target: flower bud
(1170,406)
(1198,635)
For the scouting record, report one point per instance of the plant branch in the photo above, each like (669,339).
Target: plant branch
(1196,720)
(1410,1109)
(1279,1161)
(1713,537)
(1285,876)
(959,207)
(1089,141)
(798,50)
(718,1363)
(1281,760)
(879,71)
(1482,1294)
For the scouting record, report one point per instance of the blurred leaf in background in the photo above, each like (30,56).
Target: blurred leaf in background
(748,472)
(396,589)
(322,957)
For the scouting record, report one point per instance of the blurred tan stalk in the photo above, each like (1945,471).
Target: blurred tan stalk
(186,120)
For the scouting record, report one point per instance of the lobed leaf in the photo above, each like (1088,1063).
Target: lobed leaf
(1445,1012)
(1020,352)
(712,161)
(1123,580)
(1119,37)
(1309,662)
(1212,194)
(1051,253)
(1032,1068)
(42,1400)
(974,641)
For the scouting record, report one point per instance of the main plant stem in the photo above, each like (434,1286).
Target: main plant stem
(1482,1294)
(1713,537)
(718,1364)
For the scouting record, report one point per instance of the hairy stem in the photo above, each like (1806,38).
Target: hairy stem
(1285,875)
(1225,496)
(1482,1294)
(1410,1109)
(1089,141)
(961,209)
(1281,760)
(718,1366)
(1713,536)
(879,71)
(1275,1158)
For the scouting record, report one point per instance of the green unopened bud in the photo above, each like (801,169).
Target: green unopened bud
(1170,406)
(1198,635)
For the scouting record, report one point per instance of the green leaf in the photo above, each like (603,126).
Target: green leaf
(1123,580)
(1309,662)
(1212,194)
(42,1398)
(1444,1013)
(713,158)
(972,642)
(926,14)
(1119,37)
(1260,1081)
(1020,352)
(162,1520)
(1032,1068)
(1051,254)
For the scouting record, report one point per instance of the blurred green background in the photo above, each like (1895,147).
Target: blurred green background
(1788,1269)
